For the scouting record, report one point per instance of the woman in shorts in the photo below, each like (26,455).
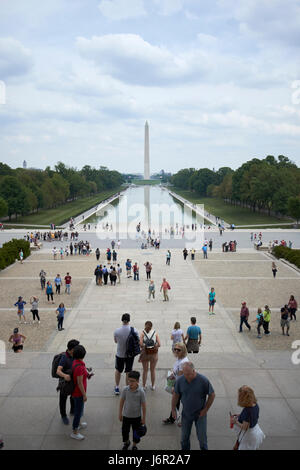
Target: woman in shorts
(149,355)
(20,304)
(17,340)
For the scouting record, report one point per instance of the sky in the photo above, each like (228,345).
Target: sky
(217,80)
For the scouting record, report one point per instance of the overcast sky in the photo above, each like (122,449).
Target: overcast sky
(217,80)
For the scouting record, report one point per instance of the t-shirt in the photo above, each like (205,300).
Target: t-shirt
(193,395)
(178,365)
(78,371)
(34,304)
(250,415)
(20,305)
(212,296)
(193,332)
(133,402)
(68,279)
(66,362)
(57,281)
(121,334)
(61,311)
(177,336)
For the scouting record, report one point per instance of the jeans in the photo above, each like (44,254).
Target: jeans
(136,276)
(186,427)
(60,321)
(68,288)
(244,320)
(78,411)
(63,405)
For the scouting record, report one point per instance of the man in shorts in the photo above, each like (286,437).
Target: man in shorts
(120,336)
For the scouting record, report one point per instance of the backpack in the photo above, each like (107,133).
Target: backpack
(55,362)
(149,343)
(132,344)
(67,388)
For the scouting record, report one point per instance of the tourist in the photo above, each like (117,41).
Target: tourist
(177,335)
(21,256)
(120,337)
(285,321)
(34,301)
(49,291)
(132,410)
(114,256)
(57,282)
(136,270)
(185,254)
(113,276)
(80,375)
(193,337)
(193,252)
(250,436)
(97,253)
(168,258)
(211,301)
(274,269)
(150,343)
(64,371)
(54,252)
(165,286)
(61,253)
(119,272)
(17,341)
(197,396)
(148,267)
(105,275)
(98,275)
(293,306)
(244,314)
(259,321)
(180,353)
(108,254)
(151,291)
(20,304)
(68,282)
(267,319)
(60,312)
(42,279)
(204,249)
(128,268)
(210,244)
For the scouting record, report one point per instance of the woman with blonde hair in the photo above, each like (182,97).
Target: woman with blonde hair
(177,335)
(180,353)
(250,436)
(149,343)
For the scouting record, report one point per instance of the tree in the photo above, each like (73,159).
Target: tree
(294,208)
(3,207)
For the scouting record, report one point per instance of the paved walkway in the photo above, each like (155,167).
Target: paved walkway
(28,401)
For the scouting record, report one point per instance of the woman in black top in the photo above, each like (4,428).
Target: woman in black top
(250,435)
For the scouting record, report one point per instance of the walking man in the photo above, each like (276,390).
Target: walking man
(197,395)
(168,258)
(68,282)
(165,287)
(244,317)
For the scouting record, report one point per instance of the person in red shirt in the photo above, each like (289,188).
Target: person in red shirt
(68,282)
(80,375)
(165,287)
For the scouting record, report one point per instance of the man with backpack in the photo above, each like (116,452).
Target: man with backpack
(127,340)
(62,369)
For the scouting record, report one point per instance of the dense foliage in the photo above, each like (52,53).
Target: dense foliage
(9,252)
(24,191)
(293,256)
(269,185)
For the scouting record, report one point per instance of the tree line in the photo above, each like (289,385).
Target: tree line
(25,191)
(265,185)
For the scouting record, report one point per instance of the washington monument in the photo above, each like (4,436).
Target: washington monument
(146,153)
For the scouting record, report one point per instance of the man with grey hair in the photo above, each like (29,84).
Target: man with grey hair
(197,396)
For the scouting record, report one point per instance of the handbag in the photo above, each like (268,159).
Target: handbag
(170,382)
(237,442)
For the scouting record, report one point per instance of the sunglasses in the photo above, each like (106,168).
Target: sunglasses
(178,350)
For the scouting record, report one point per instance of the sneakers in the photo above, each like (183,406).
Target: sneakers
(152,387)
(82,425)
(126,445)
(117,391)
(65,420)
(78,436)
(134,448)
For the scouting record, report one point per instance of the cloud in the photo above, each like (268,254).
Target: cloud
(122,9)
(169,7)
(15,59)
(129,58)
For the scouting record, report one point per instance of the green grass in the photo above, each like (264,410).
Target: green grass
(232,214)
(147,182)
(62,214)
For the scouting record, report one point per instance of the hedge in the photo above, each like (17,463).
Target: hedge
(293,256)
(10,251)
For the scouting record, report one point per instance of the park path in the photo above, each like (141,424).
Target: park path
(99,310)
